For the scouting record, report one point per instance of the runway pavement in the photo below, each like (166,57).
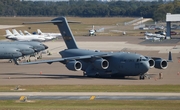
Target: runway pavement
(57,73)
(89,95)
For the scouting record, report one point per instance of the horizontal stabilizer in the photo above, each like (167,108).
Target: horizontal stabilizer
(53,21)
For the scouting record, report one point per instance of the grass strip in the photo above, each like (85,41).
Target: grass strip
(91,105)
(92,88)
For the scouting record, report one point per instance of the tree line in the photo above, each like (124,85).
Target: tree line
(155,9)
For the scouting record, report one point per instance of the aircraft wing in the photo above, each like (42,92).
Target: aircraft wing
(65,59)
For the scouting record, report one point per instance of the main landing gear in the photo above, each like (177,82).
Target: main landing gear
(141,77)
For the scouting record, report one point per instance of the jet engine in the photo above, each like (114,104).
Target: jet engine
(151,63)
(74,65)
(101,63)
(161,63)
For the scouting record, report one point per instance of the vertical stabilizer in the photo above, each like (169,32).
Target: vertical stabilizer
(27,33)
(15,32)
(21,33)
(39,31)
(146,37)
(8,33)
(66,32)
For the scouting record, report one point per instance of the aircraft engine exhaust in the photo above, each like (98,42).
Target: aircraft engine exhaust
(74,65)
(101,63)
(151,63)
(161,64)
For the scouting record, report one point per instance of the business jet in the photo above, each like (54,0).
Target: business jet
(19,37)
(54,35)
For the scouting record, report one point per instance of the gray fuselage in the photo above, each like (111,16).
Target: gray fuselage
(121,63)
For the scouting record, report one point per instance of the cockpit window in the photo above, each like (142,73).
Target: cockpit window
(143,59)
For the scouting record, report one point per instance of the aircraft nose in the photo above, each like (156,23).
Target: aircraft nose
(45,46)
(146,66)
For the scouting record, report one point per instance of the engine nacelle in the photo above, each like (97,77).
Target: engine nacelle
(161,64)
(74,65)
(101,63)
(151,63)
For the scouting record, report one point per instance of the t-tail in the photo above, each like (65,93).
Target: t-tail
(66,32)
(64,29)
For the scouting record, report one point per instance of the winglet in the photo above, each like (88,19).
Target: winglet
(15,61)
(170,57)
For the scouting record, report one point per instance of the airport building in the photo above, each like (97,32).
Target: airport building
(169,19)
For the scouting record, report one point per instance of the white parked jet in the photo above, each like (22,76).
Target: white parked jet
(19,37)
(152,38)
(46,37)
(155,35)
(54,35)
(92,32)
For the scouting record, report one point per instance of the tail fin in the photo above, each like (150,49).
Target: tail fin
(66,32)
(64,29)
(8,33)
(27,33)
(15,32)
(39,31)
(21,33)
(146,38)
(93,27)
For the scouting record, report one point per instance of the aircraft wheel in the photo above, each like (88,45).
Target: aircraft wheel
(84,73)
(141,77)
(97,75)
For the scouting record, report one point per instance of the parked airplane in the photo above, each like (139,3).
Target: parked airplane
(10,53)
(18,37)
(37,46)
(155,35)
(92,32)
(54,35)
(152,38)
(96,63)
(20,49)
(46,37)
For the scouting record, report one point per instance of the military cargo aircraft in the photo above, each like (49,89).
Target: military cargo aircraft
(10,50)
(96,63)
